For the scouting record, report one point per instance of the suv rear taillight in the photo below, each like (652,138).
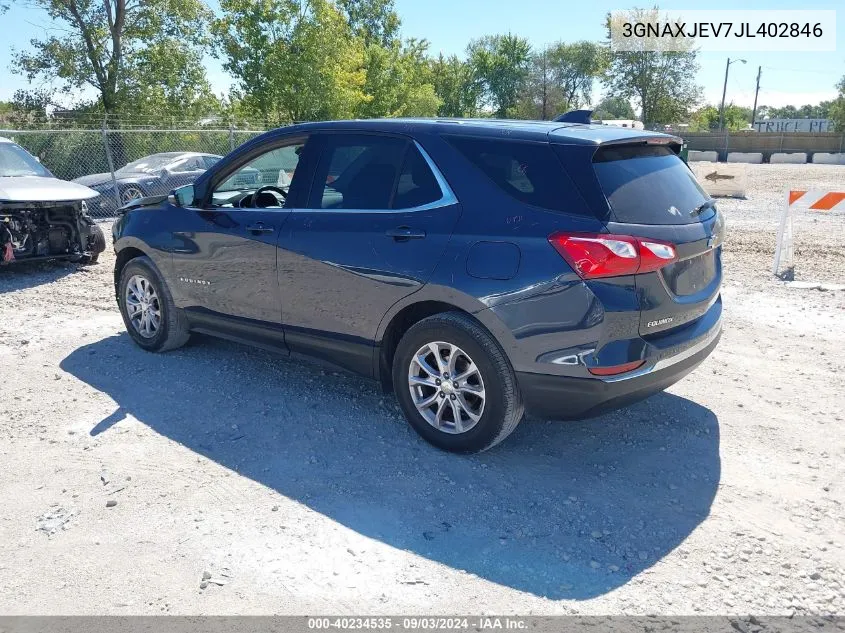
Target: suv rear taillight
(594,255)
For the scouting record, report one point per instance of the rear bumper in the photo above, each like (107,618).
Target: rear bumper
(562,397)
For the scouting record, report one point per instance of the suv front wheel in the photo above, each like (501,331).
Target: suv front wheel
(455,385)
(151,318)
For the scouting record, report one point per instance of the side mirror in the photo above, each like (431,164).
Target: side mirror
(182,196)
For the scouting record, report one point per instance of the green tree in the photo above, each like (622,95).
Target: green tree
(122,48)
(707,118)
(819,111)
(574,67)
(614,108)
(661,82)
(294,60)
(540,97)
(500,65)
(560,79)
(837,108)
(24,107)
(399,81)
(398,77)
(455,86)
(786,112)
(375,21)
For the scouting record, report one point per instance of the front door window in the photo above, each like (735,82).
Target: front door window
(263,182)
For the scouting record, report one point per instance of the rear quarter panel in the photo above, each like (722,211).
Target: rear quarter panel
(544,302)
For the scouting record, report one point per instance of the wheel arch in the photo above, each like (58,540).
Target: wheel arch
(125,253)
(405,314)
(130,182)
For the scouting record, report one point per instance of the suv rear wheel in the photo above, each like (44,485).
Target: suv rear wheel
(455,385)
(151,318)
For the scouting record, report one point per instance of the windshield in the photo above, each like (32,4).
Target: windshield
(16,161)
(649,184)
(149,164)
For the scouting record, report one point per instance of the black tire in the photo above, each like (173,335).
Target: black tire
(503,408)
(96,245)
(173,326)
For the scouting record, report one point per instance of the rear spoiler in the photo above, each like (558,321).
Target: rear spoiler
(583,117)
(672,142)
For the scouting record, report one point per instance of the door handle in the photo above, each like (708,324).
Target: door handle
(259,229)
(405,233)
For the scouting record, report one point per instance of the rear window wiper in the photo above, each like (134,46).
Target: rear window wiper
(708,204)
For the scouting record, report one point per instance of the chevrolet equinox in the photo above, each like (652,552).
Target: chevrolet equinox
(477,268)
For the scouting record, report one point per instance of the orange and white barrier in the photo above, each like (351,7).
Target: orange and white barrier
(813,200)
(816,200)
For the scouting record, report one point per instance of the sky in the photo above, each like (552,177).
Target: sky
(787,78)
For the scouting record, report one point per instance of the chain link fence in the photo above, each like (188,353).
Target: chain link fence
(122,164)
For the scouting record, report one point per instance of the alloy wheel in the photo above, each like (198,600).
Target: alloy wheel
(130,193)
(446,387)
(142,306)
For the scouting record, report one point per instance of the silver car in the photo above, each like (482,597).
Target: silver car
(42,217)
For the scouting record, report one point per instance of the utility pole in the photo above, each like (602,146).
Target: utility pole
(756,92)
(724,90)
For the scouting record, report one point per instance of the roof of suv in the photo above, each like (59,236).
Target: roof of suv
(570,133)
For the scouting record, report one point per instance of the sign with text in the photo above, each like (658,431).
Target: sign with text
(794,126)
(721,30)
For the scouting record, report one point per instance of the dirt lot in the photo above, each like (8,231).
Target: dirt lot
(219,479)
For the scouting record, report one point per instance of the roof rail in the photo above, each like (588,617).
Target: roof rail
(575,116)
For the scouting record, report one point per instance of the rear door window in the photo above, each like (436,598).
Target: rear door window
(529,172)
(416,185)
(370,172)
(357,172)
(649,184)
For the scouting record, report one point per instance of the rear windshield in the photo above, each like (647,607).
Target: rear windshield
(649,184)
(528,172)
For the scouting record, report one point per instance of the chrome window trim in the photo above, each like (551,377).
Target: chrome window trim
(447,196)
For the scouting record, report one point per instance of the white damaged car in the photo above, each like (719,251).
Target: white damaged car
(42,217)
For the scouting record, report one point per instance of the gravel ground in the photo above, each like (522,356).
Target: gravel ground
(819,237)
(218,479)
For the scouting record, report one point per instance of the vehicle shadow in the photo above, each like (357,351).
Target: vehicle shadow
(22,275)
(561,510)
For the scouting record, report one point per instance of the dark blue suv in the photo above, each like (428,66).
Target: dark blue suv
(476,268)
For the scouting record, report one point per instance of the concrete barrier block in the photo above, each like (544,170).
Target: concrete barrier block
(827,158)
(796,158)
(754,158)
(722,179)
(696,155)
